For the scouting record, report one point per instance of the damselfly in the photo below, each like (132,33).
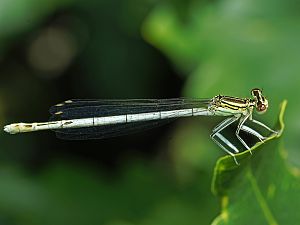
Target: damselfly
(96,119)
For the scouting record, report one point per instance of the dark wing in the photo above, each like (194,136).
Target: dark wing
(75,109)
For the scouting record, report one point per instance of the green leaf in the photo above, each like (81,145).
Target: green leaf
(259,189)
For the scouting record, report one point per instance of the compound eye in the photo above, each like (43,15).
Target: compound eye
(261,108)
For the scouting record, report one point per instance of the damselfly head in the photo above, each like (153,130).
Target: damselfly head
(261,103)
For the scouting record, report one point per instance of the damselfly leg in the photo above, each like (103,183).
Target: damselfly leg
(228,143)
(237,132)
(253,132)
(263,125)
(216,132)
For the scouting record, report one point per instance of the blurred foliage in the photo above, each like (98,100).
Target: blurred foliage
(235,44)
(67,193)
(54,50)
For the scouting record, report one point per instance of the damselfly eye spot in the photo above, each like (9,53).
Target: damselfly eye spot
(261,107)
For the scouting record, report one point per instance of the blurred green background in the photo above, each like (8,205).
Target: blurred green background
(54,50)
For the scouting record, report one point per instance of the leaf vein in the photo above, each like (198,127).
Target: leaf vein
(261,200)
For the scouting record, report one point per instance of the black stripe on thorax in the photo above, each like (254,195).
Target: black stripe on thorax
(234,103)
